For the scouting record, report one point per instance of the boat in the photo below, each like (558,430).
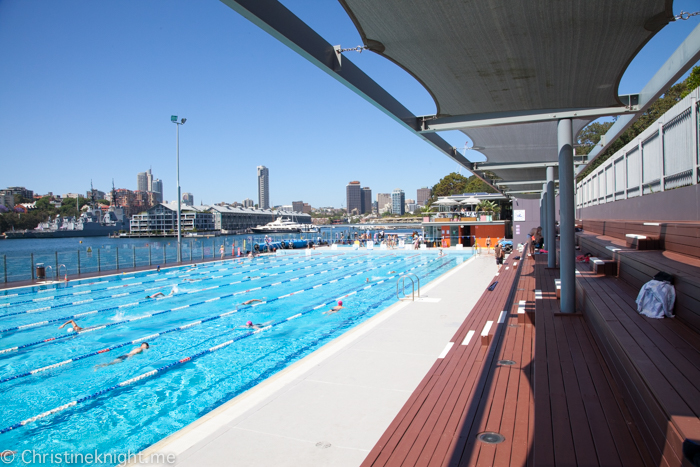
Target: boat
(91,223)
(282,225)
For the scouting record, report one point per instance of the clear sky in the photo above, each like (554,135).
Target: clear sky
(87,89)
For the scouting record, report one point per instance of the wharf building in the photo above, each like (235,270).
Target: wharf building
(263,187)
(162,218)
(353,195)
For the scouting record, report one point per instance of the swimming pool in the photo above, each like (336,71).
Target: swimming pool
(55,400)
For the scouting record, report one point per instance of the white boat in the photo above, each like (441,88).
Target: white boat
(281,225)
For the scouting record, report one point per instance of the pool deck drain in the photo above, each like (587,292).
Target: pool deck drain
(346,393)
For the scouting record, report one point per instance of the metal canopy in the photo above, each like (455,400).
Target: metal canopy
(518,64)
(505,56)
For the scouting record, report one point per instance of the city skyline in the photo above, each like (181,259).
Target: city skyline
(56,108)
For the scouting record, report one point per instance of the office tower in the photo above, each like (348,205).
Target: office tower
(263,187)
(149,180)
(423,195)
(298,206)
(398,201)
(188,199)
(366,200)
(157,188)
(382,200)
(142,181)
(248,203)
(353,193)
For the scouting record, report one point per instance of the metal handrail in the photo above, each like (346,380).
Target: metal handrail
(58,271)
(46,275)
(402,279)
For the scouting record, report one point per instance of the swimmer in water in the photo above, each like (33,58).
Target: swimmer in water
(367,280)
(250,325)
(335,309)
(158,268)
(161,294)
(76,328)
(248,302)
(121,358)
(392,272)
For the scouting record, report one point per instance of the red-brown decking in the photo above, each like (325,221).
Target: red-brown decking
(557,405)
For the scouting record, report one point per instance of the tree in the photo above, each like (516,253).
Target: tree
(590,136)
(664,103)
(456,184)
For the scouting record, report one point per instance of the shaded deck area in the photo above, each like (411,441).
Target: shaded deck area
(535,377)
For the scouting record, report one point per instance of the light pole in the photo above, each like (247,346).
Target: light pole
(173,118)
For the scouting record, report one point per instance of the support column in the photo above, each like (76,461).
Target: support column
(567,238)
(551,238)
(543,218)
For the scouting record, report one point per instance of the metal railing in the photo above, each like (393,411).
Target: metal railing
(662,157)
(401,293)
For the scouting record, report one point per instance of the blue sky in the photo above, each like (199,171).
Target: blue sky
(87,89)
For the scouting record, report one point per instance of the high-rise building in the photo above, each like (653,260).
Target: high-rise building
(188,199)
(382,200)
(423,195)
(142,181)
(149,180)
(366,198)
(263,187)
(298,206)
(157,188)
(248,203)
(353,193)
(398,202)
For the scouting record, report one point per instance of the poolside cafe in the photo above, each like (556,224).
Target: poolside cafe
(457,221)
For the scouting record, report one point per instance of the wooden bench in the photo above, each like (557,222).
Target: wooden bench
(637,267)
(656,363)
(678,237)
(642,242)
(600,266)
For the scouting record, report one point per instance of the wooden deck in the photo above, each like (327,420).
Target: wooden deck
(556,404)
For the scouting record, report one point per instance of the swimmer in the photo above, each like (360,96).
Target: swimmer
(392,272)
(248,302)
(121,358)
(76,328)
(367,280)
(335,309)
(158,268)
(161,294)
(250,325)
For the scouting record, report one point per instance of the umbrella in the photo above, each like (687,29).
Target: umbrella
(446,202)
(470,201)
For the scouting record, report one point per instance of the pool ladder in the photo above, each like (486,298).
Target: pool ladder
(402,280)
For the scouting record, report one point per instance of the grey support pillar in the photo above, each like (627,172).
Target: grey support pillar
(551,238)
(543,218)
(567,239)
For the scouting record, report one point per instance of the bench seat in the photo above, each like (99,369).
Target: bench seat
(656,364)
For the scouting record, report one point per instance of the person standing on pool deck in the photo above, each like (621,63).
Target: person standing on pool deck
(121,358)
(335,309)
(221,250)
(488,245)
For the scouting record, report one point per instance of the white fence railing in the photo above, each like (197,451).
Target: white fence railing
(662,157)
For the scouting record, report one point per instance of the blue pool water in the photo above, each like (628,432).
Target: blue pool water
(200,355)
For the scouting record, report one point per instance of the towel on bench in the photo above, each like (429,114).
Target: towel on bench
(656,298)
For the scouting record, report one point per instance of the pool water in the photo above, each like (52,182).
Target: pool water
(201,354)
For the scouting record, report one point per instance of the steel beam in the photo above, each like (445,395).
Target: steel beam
(551,238)
(685,56)
(522,182)
(463,122)
(567,213)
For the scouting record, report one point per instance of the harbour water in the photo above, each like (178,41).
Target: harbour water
(80,255)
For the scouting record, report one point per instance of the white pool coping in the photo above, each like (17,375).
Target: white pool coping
(331,407)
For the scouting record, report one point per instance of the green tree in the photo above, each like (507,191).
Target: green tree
(590,136)
(456,184)
(662,105)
